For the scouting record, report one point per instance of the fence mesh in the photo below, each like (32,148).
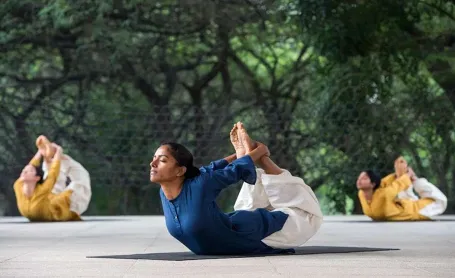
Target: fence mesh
(116,146)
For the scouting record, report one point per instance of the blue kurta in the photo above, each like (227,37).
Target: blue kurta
(196,221)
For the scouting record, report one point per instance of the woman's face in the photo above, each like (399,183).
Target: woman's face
(364,181)
(28,174)
(164,166)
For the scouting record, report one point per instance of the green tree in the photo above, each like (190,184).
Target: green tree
(390,61)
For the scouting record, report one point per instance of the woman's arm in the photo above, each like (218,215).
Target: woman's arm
(230,158)
(242,169)
(364,203)
(400,184)
(36,160)
(54,169)
(55,165)
(218,164)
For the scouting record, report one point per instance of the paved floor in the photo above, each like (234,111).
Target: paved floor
(426,249)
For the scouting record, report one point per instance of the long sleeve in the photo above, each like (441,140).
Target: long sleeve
(60,182)
(19,195)
(17,186)
(51,178)
(240,169)
(35,161)
(215,165)
(364,203)
(400,184)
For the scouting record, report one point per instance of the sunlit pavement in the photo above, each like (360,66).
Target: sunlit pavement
(419,249)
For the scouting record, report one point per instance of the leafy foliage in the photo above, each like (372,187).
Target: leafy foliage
(333,87)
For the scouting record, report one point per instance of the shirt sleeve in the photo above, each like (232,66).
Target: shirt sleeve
(215,165)
(400,184)
(18,187)
(241,169)
(364,203)
(19,195)
(49,182)
(35,162)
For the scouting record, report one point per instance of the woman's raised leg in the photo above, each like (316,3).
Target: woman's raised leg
(251,196)
(290,195)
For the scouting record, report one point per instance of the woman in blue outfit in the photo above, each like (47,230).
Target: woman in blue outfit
(274,212)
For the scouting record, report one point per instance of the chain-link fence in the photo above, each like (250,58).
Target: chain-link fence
(117,144)
(109,82)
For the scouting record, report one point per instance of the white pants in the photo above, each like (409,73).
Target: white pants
(290,195)
(425,189)
(80,183)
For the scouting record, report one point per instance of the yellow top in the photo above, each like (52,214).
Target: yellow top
(385,206)
(43,205)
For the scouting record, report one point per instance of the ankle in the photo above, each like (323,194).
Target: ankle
(269,166)
(260,164)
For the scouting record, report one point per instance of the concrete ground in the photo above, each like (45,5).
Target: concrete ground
(425,249)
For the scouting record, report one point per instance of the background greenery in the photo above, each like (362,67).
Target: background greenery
(333,87)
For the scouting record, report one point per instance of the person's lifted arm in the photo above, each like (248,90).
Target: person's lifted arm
(242,169)
(403,176)
(54,169)
(36,160)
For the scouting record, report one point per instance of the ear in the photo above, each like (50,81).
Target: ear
(181,171)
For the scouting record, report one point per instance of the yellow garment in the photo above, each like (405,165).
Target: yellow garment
(385,206)
(43,205)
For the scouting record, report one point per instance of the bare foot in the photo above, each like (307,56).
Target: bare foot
(237,143)
(401,166)
(248,144)
(44,146)
(42,141)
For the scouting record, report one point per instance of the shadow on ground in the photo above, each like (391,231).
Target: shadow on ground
(187,256)
(372,222)
(25,221)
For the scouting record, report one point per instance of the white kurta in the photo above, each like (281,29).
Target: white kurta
(79,183)
(290,195)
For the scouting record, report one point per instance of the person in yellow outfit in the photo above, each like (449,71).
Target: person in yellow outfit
(392,198)
(35,200)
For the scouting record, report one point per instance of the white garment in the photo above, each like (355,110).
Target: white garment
(408,194)
(80,183)
(60,183)
(290,195)
(425,189)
